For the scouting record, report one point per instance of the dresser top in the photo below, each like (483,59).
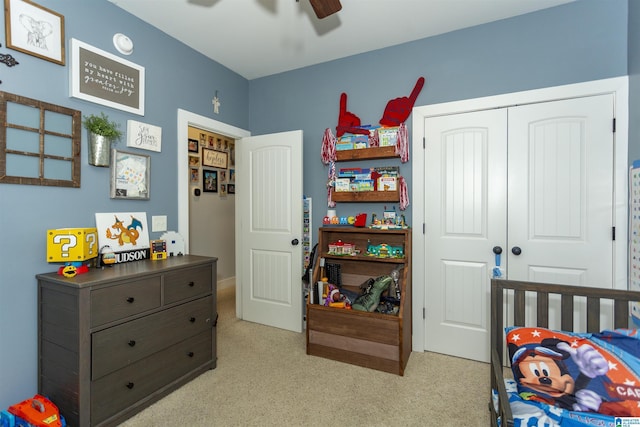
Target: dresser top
(96,276)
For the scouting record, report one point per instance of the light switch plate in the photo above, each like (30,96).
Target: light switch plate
(159,223)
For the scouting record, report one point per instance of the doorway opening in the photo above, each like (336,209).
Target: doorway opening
(212,200)
(186,191)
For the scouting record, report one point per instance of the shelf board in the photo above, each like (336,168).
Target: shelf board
(366,153)
(366,196)
(363,258)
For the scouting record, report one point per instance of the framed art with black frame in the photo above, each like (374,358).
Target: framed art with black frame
(193,145)
(209,181)
(215,158)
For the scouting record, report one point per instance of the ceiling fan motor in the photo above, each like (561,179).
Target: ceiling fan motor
(324,8)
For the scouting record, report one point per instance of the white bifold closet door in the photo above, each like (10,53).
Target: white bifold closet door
(536,181)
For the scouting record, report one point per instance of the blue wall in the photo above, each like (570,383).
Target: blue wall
(176,77)
(580,41)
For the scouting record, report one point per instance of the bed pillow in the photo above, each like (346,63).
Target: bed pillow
(576,371)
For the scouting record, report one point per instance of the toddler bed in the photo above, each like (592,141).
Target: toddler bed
(557,376)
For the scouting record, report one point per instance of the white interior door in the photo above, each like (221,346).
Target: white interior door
(465,172)
(269,228)
(561,192)
(552,198)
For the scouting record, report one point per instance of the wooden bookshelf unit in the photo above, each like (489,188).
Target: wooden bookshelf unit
(373,340)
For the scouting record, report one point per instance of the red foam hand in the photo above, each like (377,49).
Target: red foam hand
(347,121)
(399,109)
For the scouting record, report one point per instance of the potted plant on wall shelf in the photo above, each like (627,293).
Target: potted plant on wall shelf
(102,132)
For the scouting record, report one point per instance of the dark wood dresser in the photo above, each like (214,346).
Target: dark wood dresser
(114,340)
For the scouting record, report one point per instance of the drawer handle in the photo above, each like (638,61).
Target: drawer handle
(191,354)
(192,320)
(192,284)
(132,343)
(130,300)
(130,385)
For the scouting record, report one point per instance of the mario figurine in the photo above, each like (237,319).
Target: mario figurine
(541,369)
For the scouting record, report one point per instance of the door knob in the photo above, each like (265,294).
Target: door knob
(295,242)
(516,250)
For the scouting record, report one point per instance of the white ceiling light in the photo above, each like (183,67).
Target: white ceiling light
(123,44)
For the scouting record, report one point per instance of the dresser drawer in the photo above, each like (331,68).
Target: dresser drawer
(119,346)
(124,300)
(119,390)
(187,283)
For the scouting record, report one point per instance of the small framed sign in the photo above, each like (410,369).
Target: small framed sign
(144,136)
(105,79)
(215,158)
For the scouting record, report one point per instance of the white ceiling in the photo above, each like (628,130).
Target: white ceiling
(257,38)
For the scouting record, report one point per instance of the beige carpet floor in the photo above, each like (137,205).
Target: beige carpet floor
(265,378)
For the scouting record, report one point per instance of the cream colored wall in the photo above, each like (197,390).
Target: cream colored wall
(212,215)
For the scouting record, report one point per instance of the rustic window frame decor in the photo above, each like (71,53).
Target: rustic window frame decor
(44,133)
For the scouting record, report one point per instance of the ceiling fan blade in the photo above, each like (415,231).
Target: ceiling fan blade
(324,8)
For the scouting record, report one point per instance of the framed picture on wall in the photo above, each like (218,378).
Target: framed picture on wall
(88,63)
(232,153)
(144,136)
(231,188)
(209,181)
(35,30)
(214,158)
(130,173)
(193,145)
(194,175)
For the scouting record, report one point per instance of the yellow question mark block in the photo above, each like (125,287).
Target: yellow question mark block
(72,244)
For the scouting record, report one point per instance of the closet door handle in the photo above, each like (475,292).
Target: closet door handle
(130,300)
(516,250)
(130,385)
(192,320)
(191,354)
(132,343)
(191,284)
(497,250)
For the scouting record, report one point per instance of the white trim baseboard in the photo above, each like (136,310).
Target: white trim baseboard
(229,282)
